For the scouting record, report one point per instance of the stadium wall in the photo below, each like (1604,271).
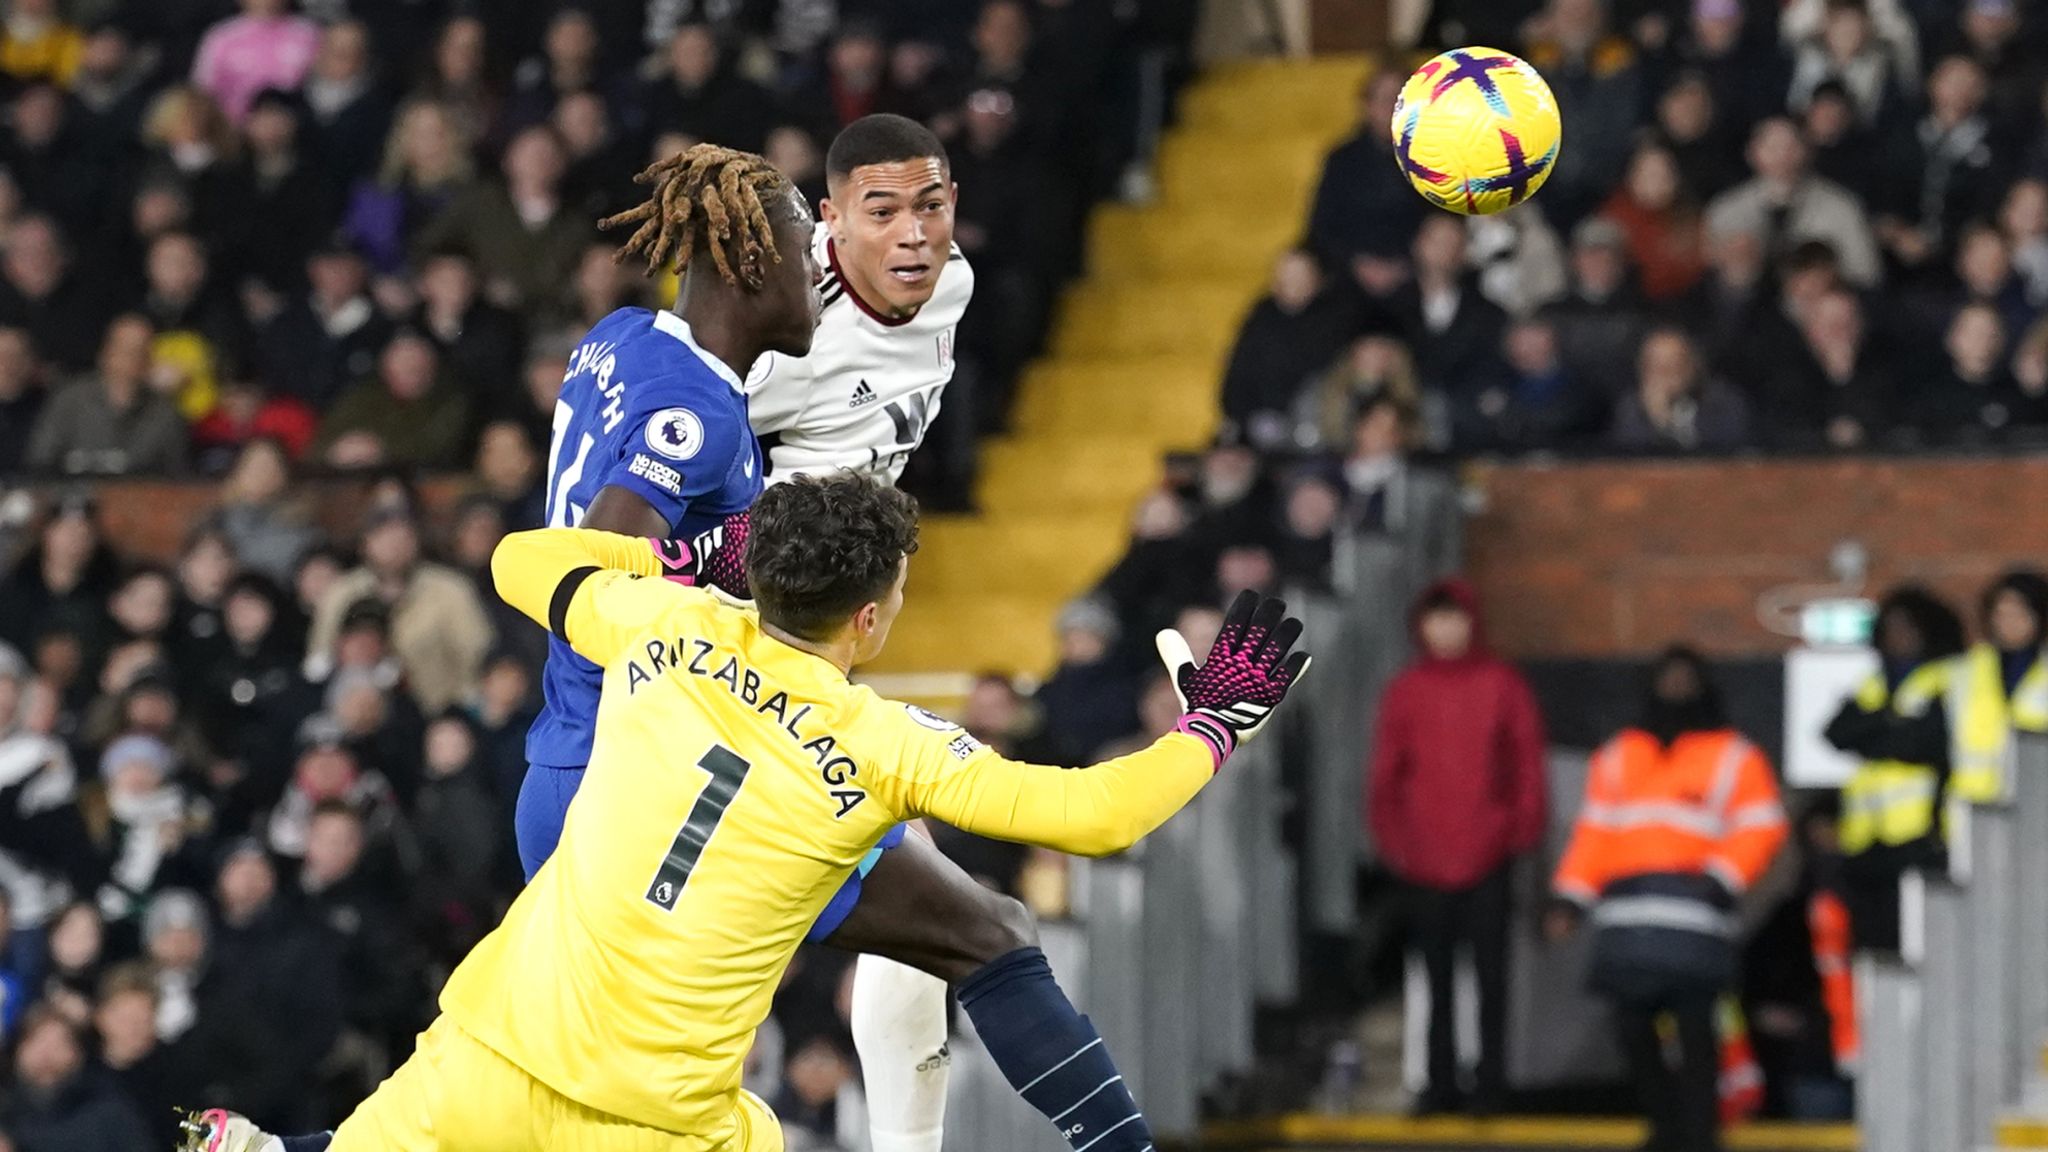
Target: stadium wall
(1606,560)
(1577,561)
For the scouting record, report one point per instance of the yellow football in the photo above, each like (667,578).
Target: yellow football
(1476,130)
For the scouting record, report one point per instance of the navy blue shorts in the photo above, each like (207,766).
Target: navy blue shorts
(544,803)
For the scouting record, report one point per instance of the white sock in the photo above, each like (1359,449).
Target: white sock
(899,1027)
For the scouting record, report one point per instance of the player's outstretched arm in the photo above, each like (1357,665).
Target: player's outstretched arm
(1110,806)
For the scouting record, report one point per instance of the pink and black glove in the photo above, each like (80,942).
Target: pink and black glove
(716,559)
(1230,696)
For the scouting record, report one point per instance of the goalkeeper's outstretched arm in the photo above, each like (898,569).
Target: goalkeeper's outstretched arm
(1107,808)
(1093,811)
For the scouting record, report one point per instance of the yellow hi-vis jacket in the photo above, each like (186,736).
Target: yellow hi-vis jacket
(1982,720)
(1888,803)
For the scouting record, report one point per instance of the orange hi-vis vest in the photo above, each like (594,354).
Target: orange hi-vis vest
(1827,919)
(1707,804)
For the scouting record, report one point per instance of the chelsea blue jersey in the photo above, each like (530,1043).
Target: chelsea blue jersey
(644,408)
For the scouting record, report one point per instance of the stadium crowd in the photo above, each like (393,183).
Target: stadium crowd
(1815,227)
(1810,227)
(255,803)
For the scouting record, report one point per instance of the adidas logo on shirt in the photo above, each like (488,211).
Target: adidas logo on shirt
(862,394)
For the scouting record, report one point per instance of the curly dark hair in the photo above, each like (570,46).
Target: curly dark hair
(705,198)
(819,548)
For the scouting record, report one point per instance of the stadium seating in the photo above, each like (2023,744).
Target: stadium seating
(1167,285)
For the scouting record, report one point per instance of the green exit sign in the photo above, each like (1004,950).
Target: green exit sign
(1846,620)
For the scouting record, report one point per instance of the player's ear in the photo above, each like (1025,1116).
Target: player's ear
(865,620)
(829,213)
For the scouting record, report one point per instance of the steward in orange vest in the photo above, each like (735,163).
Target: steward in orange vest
(1681,816)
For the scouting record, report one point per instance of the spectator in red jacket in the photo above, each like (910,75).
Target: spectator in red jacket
(1457,790)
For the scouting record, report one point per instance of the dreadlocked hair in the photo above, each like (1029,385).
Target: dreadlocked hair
(704,195)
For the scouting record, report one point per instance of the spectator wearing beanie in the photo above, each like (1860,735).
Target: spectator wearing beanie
(174,930)
(1456,790)
(153,823)
(327,770)
(1600,322)
(1088,701)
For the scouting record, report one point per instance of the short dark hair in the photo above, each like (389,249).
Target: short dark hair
(819,548)
(883,138)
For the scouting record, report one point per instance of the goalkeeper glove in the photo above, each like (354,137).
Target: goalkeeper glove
(716,559)
(1230,696)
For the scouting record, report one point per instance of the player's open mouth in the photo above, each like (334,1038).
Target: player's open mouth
(911,273)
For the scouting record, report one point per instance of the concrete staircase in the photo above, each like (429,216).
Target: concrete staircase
(1132,373)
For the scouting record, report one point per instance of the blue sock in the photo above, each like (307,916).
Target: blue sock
(307,1143)
(1052,1055)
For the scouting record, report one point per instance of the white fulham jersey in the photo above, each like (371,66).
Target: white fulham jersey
(862,400)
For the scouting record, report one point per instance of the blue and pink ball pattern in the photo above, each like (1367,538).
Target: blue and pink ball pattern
(1476,131)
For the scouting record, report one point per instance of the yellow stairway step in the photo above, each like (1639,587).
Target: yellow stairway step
(972,632)
(1188,317)
(1104,475)
(1226,164)
(1325,106)
(2022,1132)
(1046,555)
(1170,400)
(1128,243)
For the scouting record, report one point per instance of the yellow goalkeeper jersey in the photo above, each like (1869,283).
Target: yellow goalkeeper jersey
(734,783)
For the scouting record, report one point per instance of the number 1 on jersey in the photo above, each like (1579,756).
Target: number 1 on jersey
(728,772)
